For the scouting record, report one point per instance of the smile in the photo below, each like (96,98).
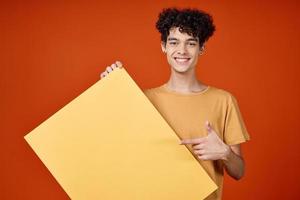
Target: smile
(182,60)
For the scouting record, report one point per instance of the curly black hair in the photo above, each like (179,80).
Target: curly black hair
(194,22)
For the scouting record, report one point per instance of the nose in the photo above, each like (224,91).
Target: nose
(182,48)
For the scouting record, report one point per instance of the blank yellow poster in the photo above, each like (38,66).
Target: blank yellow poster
(110,143)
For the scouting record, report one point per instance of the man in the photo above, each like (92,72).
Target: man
(207,119)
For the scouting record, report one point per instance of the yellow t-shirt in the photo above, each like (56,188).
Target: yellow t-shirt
(187,113)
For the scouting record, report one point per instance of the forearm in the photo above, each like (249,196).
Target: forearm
(212,147)
(234,165)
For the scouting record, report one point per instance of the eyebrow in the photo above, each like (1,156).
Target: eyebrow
(175,39)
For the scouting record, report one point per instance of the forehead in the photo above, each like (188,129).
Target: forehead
(174,33)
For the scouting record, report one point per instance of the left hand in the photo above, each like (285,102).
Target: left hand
(210,147)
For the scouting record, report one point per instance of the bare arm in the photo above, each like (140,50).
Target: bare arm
(212,147)
(234,162)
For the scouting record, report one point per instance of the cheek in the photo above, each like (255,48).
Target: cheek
(170,54)
(195,54)
(170,50)
(169,58)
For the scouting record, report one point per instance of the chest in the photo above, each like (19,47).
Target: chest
(187,116)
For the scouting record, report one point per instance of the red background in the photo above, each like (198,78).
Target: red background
(53,51)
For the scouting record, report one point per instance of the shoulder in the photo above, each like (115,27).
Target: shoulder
(221,94)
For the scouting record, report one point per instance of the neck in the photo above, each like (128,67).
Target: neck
(184,82)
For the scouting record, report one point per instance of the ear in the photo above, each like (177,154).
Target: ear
(163,46)
(201,49)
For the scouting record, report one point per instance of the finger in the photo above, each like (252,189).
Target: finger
(102,75)
(199,146)
(109,69)
(199,152)
(203,157)
(114,66)
(192,141)
(209,127)
(119,64)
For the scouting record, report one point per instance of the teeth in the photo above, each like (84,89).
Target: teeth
(182,59)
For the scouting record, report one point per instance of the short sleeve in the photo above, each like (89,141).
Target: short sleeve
(235,131)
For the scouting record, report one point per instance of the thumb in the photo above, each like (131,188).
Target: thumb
(208,127)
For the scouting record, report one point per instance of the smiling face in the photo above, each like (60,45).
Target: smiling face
(182,50)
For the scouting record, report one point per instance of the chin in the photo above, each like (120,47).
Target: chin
(181,69)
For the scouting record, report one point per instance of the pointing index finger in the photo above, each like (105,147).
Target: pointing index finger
(192,141)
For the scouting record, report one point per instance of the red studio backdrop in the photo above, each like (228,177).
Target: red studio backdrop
(51,51)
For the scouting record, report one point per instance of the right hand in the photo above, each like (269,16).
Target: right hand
(110,68)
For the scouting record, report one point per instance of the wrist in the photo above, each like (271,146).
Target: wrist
(227,153)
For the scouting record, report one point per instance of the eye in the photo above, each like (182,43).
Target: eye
(172,43)
(192,44)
